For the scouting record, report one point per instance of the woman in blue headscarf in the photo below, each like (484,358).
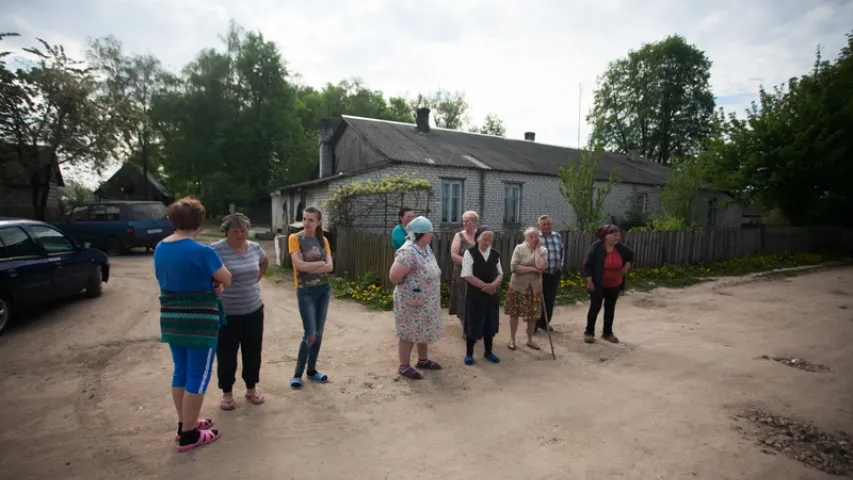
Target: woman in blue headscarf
(417,298)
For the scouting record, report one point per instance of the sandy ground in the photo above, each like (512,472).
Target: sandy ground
(85,391)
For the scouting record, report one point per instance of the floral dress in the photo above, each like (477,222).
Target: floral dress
(417,299)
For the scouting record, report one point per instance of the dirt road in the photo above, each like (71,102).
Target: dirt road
(85,395)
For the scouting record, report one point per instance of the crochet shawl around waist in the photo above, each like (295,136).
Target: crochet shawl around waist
(190,319)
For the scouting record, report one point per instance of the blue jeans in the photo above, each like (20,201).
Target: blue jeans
(313,305)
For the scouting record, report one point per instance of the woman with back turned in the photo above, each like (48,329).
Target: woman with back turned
(191,275)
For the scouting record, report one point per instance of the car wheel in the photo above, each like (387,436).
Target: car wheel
(95,285)
(5,312)
(113,247)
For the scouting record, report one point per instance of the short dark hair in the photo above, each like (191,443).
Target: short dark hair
(186,214)
(402,212)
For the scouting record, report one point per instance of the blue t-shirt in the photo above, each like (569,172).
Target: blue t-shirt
(185,266)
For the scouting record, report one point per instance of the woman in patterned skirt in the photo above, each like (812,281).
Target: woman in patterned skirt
(462,241)
(417,298)
(523,300)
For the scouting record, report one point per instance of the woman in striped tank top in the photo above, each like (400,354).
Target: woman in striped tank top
(244,310)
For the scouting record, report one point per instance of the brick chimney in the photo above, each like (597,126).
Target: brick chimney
(422,119)
(530,136)
(327,167)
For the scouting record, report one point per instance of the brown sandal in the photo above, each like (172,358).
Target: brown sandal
(511,345)
(411,373)
(533,346)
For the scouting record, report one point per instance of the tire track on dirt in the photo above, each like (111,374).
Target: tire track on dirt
(102,440)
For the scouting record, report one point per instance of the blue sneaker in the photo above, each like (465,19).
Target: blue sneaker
(492,358)
(469,360)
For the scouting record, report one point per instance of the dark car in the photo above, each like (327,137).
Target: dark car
(39,263)
(116,225)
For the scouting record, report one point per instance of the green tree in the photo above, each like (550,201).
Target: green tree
(50,112)
(132,83)
(657,99)
(678,199)
(577,185)
(76,192)
(492,125)
(447,109)
(793,150)
(232,130)
(349,97)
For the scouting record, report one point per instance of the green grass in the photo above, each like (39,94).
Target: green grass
(368,291)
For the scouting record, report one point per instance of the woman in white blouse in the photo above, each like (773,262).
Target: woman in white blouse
(481,268)
(524,298)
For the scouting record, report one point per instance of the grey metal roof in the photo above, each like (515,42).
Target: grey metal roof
(454,148)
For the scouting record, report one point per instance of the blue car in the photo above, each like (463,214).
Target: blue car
(117,225)
(39,263)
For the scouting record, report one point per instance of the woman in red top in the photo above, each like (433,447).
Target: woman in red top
(605,269)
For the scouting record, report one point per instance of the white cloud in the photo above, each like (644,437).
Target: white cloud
(520,60)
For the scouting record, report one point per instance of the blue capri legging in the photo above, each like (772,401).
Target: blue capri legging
(193,368)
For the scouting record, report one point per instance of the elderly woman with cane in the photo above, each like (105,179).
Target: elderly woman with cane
(481,268)
(524,298)
(244,310)
(417,298)
(605,269)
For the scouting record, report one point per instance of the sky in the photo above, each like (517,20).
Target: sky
(534,63)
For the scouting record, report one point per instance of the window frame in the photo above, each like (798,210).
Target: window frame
(37,251)
(643,200)
(508,186)
(460,208)
(49,253)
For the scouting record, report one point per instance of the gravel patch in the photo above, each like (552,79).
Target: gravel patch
(828,452)
(799,363)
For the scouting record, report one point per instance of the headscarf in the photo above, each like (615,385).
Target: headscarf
(606,230)
(481,230)
(418,225)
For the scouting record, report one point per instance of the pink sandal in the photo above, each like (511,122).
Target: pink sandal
(255,398)
(204,437)
(202,424)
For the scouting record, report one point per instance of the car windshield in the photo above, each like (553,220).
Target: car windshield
(148,211)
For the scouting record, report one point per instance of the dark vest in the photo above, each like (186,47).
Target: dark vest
(485,270)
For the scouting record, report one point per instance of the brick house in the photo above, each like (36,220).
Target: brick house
(509,182)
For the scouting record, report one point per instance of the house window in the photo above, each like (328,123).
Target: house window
(642,202)
(712,212)
(451,201)
(512,204)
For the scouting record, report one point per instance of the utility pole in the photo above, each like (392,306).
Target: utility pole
(580,93)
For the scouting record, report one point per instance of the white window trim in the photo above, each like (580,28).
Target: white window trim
(517,212)
(643,198)
(450,182)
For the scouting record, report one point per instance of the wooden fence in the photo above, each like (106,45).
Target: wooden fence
(356,252)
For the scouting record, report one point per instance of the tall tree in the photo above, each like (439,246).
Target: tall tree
(657,100)
(50,113)
(350,97)
(577,185)
(233,129)
(132,83)
(492,125)
(448,109)
(793,151)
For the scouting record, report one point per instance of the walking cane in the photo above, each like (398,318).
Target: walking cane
(547,325)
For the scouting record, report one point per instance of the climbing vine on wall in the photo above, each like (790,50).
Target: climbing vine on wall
(373,204)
